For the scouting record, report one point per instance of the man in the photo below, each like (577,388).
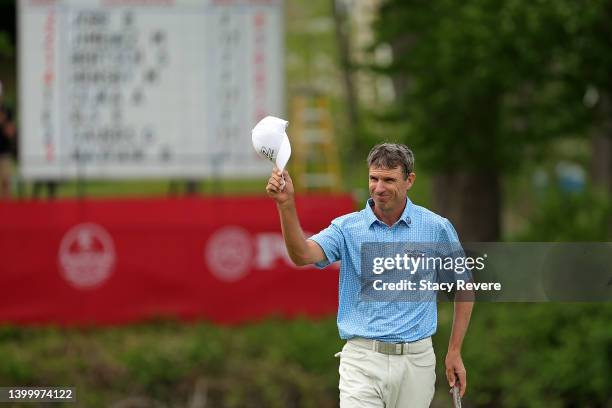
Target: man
(388,360)
(7,140)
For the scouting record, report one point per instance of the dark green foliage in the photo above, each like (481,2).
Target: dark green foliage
(570,217)
(517,355)
(540,355)
(7,28)
(484,85)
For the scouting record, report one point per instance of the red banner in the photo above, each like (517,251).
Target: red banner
(118,261)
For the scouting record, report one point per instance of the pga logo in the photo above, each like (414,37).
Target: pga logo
(86,256)
(232,251)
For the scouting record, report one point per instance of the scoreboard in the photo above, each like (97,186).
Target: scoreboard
(147,88)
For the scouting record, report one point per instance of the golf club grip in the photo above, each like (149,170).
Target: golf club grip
(456,397)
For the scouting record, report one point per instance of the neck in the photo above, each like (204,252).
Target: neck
(390,216)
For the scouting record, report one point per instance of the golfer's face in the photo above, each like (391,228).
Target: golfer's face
(388,187)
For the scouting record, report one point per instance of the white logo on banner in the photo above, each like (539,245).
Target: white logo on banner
(271,248)
(232,251)
(86,255)
(228,253)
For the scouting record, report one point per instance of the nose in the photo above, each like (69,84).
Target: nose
(380,187)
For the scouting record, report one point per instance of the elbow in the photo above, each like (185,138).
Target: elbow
(299,260)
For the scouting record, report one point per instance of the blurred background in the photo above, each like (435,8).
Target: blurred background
(140,260)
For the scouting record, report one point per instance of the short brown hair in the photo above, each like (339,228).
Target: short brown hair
(391,155)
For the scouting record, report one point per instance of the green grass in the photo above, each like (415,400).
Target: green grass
(146,188)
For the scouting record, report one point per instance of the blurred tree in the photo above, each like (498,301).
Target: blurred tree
(483,86)
(7,28)
(589,40)
(342,32)
(6,48)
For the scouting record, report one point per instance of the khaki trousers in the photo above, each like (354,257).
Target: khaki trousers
(372,379)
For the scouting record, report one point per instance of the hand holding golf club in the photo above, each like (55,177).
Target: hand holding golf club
(455,371)
(455,392)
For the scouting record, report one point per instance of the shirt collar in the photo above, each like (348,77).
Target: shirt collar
(372,218)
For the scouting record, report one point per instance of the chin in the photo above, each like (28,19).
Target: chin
(381,204)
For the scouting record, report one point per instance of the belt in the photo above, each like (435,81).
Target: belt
(384,347)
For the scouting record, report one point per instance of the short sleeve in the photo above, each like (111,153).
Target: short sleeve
(331,242)
(450,249)
(448,233)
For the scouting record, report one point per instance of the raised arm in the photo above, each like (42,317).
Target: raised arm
(302,251)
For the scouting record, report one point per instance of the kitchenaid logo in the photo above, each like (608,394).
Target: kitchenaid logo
(86,255)
(232,252)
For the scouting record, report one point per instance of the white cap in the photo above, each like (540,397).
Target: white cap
(271,142)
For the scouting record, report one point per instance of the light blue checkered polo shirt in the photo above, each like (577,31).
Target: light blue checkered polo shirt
(388,321)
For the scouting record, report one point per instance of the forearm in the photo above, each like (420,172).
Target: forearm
(292,233)
(461,321)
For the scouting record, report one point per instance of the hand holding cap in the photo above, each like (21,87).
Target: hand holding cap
(271,142)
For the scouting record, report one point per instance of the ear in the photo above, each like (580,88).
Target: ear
(410,181)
